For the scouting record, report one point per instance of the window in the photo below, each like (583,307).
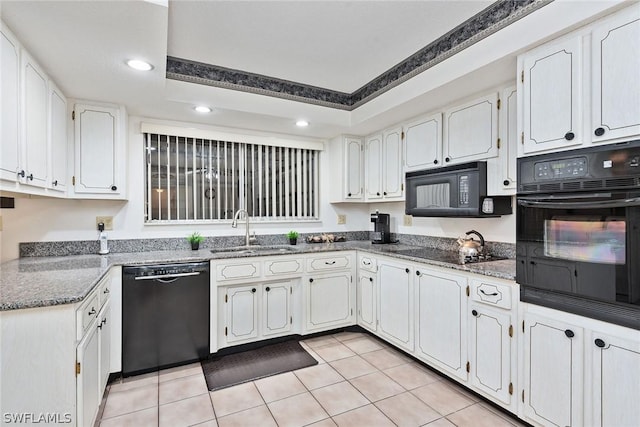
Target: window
(196,179)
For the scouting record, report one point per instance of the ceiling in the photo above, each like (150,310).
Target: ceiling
(335,45)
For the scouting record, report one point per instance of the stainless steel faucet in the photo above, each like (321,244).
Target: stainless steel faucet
(234,224)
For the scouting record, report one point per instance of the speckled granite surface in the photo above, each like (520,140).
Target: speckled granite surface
(47,281)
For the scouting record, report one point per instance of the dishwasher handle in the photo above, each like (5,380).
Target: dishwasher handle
(167,276)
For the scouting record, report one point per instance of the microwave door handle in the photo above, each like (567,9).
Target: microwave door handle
(579,205)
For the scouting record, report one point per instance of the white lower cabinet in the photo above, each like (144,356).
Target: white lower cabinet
(366,294)
(553,363)
(441,320)
(88,379)
(615,385)
(255,311)
(578,375)
(329,300)
(395,306)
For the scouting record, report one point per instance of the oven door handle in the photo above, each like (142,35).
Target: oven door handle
(528,203)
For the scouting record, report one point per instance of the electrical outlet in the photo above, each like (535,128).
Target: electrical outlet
(408,220)
(106,220)
(342,219)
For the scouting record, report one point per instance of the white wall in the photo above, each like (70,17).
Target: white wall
(47,219)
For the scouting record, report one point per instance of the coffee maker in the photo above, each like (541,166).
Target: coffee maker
(381,232)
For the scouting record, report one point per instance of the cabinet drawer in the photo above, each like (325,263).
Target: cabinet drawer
(367,263)
(104,290)
(237,270)
(282,267)
(87,312)
(491,293)
(328,263)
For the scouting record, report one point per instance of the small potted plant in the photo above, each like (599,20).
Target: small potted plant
(293,237)
(195,239)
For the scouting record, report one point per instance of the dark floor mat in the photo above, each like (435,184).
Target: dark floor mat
(251,365)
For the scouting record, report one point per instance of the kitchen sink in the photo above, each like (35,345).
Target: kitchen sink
(255,249)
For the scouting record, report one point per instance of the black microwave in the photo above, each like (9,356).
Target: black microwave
(453,191)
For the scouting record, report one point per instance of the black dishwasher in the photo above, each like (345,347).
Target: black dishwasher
(165,315)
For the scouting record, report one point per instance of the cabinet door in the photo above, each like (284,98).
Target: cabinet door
(366,293)
(104,334)
(471,130)
(616,88)
(552,371)
(88,380)
(392,177)
(276,308)
(353,168)
(552,86)
(10,105)
(490,351)
(423,143)
(616,379)
(442,335)
(35,116)
(501,170)
(395,321)
(373,167)
(242,313)
(58,138)
(97,142)
(329,301)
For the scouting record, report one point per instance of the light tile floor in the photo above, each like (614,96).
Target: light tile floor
(359,381)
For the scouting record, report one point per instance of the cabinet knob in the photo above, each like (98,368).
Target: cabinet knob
(92,311)
(599,131)
(267,289)
(310,280)
(30,177)
(506,182)
(385,193)
(253,291)
(114,188)
(435,162)
(55,183)
(474,312)
(371,279)
(417,272)
(569,333)
(349,194)
(599,343)
(569,136)
(21,174)
(406,270)
(447,159)
(106,291)
(378,193)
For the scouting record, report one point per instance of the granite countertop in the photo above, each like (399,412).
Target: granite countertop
(47,281)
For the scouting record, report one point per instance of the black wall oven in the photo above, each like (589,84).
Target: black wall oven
(578,232)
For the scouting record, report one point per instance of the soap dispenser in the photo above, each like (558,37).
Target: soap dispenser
(104,243)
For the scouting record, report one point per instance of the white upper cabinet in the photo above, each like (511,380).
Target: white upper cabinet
(58,138)
(34,122)
(501,170)
(423,143)
(471,130)
(9,99)
(552,87)
(99,151)
(615,101)
(392,175)
(373,167)
(353,150)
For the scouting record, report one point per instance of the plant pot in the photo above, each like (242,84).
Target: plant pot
(195,246)
(293,240)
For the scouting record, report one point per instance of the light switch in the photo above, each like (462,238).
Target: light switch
(408,220)
(342,219)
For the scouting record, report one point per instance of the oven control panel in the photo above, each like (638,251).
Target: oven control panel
(575,167)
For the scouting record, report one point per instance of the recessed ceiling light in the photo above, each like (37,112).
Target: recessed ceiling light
(302,123)
(202,109)
(139,65)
